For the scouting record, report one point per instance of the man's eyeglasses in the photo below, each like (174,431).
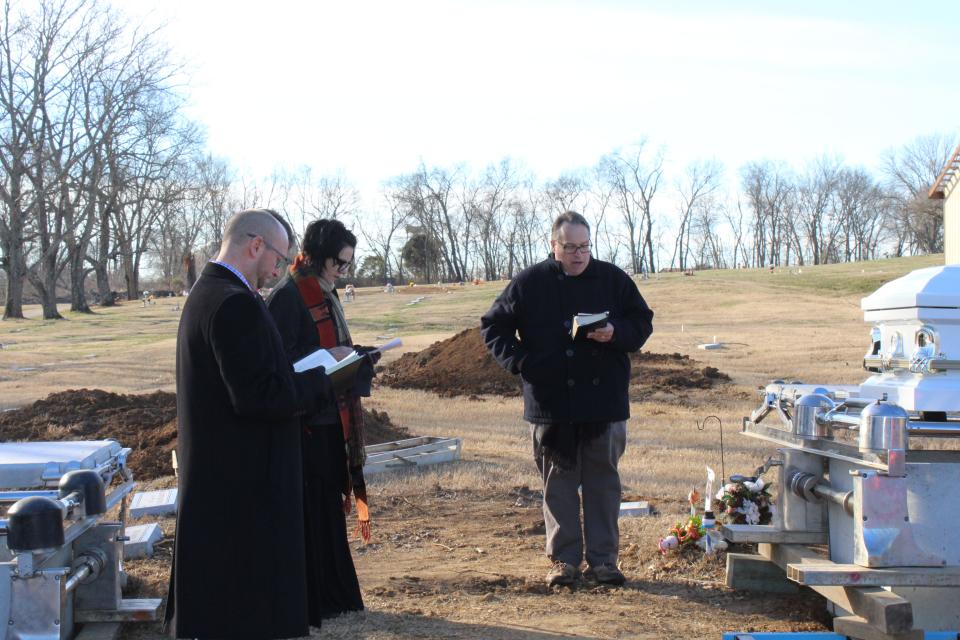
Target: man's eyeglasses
(571,249)
(342,265)
(282,259)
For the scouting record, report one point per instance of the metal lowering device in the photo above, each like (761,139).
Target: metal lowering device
(869,505)
(61,556)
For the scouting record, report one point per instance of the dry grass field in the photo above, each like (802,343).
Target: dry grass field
(457,549)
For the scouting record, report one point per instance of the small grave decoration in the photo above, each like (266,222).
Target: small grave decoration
(745,502)
(682,535)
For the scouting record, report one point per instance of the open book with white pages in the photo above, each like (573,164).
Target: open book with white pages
(342,373)
(325,359)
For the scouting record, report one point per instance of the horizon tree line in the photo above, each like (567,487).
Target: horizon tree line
(103,177)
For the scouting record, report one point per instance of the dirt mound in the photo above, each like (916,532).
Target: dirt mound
(145,423)
(379,428)
(461,365)
(457,366)
(651,372)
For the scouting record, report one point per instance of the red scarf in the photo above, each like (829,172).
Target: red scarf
(351,413)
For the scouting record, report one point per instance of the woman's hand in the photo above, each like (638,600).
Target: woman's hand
(340,352)
(369,351)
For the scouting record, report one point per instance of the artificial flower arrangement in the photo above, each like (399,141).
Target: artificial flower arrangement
(745,502)
(682,535)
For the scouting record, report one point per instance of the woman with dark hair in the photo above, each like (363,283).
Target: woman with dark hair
(308,314)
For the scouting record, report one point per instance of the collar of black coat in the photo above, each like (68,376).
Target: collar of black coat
(214,270)
(590,272)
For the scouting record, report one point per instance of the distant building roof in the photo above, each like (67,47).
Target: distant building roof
(951,169)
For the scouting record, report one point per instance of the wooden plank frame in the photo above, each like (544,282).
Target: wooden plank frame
(852,574)
(130,610)
(885,611)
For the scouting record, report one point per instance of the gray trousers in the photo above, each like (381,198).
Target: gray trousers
(595,482)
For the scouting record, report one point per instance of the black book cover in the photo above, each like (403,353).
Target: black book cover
(584,323)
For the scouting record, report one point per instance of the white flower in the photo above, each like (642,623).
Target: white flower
(750,511)
(720,493)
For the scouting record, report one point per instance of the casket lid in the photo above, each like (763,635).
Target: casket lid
(934,287)
(34,465)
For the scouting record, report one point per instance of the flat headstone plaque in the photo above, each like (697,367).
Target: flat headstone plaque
(153,503)
(142,538)
(710,346)
(631,509)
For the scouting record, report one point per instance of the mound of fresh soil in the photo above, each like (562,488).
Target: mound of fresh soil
(651,372)
(145,423)
(457,366)
(378,428)
(461,365)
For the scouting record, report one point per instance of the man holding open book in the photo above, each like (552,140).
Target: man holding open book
(567,325)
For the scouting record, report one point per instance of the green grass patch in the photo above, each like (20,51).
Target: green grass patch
(847,278)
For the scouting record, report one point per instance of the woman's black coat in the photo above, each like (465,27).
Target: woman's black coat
(332,585)
(238,566)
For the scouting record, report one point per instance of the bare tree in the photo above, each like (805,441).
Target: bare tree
(816,204)
(863,210)
(46,100)
(566,193)
(910,173)
(126,69)
(308,197)
(700,182)
(149,189)
(428,197)
(740,253)
(706,238)
(76,84)
(380,231)
(199,197)
(18,110)
(767,189)
(599,199)
(634,179)
(215,202)
(497,196)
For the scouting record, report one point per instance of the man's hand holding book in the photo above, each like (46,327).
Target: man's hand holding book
(592,326)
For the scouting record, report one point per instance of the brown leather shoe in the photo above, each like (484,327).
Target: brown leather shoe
(605,574)
(562,574)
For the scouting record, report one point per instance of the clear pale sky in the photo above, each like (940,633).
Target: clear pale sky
(371,88)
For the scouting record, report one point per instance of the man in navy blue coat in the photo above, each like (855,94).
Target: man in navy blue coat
(574,391)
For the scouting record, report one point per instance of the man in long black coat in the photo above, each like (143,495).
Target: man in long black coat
(238,569)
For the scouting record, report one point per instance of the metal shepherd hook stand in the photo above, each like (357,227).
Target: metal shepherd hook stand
(701,426)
